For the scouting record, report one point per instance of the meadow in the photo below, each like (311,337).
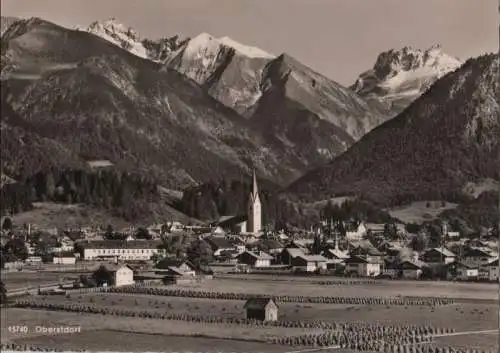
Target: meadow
(463,316)
(420,211)
(147,320)
(263,285)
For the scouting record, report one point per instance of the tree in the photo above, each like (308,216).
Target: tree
(200,253)
(175,245)
(317,245)
(7,224)
(420,242)
(390,231)
(102,275)
(435,235)
(109,232)
(17,248)
(3,293)
(143,233)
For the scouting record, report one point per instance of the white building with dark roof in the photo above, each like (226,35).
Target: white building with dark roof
(120,250)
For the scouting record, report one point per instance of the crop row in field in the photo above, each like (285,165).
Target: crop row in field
(302,287)
(26,347)
(115,341)
(96,323)
(463,317)
(186,293)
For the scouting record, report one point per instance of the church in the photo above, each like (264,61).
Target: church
(254,209)
(251,223)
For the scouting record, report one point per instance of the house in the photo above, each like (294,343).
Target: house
(272,246)
(233,224)
(492,269)
(438,256)
(73,236)
(238,244)
(367,251)
(123,275)
(462,271)
(64,258)
(362,267)
(355,230)
(375,228)
(255,259)
(180,267)
(336,255)
(476,257)
(392,254)
(412,269)
(309,263)
(289,253)
(33,260)
(262,309)
(119,249)
(219,245)
(391,269)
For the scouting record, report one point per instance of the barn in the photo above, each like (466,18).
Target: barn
(263,309)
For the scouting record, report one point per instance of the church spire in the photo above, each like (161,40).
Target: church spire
(255,190)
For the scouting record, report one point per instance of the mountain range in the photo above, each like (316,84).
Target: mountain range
(446,139)
(400,76)
(190,110)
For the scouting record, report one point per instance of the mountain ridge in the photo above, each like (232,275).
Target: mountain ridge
(241,80)
(400,76)
(444,139)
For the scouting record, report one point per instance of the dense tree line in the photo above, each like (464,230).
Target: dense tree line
(128,195)
(356,210)
(212,200)
(476,214)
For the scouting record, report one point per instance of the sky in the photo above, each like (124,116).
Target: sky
(338,38)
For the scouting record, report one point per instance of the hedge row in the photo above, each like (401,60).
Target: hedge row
(373,330)
(282,298)
(31,348)
(362,342)
(430,349)
(341,281)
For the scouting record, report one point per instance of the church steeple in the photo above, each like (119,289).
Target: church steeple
(255,188)
(254,219)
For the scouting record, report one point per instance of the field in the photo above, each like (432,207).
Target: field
(92,324)
(117,340)
(19,280)
(61,216)
(463,316)
(52,215)
(418,212)
(263,284)
(473,320)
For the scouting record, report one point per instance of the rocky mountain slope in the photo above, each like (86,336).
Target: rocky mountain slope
(127,38)
(69,97)
(273,92)
(400,76)
(448,137)
(175,117)
(5,23)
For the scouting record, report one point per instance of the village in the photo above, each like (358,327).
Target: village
(238,244)
(327,286)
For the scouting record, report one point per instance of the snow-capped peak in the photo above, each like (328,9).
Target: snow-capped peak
(117,33)
(247,50)
(206,40)
(400,76)
(408,59)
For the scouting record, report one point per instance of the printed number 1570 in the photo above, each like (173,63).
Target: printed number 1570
(18,329)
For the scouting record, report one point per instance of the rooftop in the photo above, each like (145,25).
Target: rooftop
(258,303)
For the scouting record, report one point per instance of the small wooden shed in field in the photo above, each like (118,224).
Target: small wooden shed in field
(264,309)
